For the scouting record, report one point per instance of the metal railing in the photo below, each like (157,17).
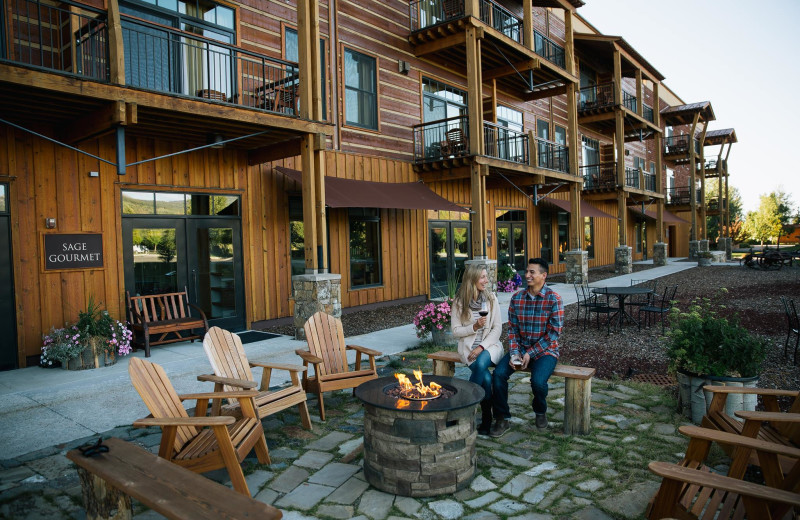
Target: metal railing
(41,35)
(682,195)
(548,49)
(552,156)
(156,57)
(425,13)
(712,164)
(647,113)
(596,96)
(441,139)
(599,176)
(713,203)
(632,177)
(501,19)
(649,181)
(504,143)
(629,101)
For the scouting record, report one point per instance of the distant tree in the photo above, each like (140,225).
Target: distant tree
(765,223)
(734,202)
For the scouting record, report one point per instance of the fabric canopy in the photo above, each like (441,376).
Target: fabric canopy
(349,193)
(587,210)
(651,213)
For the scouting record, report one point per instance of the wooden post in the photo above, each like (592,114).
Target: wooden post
(116,47)
(577,406)
(320,214)
(639,93)
(659,144)
(569,44)
(311,201)
(443,368)
(703,208)
(475,92)
(693,179)
(103,501)
(477,183)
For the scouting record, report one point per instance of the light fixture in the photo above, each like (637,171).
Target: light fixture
(215,140)
(50,223)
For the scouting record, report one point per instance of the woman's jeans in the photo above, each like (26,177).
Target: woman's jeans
(480,373)
(541,370)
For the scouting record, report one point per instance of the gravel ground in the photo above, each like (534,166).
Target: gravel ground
(753,294)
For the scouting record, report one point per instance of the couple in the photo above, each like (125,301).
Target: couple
(535,319)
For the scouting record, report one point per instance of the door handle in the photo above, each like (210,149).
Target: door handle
(194,283)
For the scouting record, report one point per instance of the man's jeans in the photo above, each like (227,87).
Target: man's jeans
(541,370)
(480,373)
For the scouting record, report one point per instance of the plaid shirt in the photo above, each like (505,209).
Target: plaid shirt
(534,323)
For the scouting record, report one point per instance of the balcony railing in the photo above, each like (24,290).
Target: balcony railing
(501,19)
(632,177)
(649,181)
(599,176)
(552,156)
(425,13)
(505,143)
(679,144)
(156,58)
(682,195)
(648,113)
(712,164)
(629,100)
(713,204)
(548,49)
(441,139)
(69,41)
(597,96)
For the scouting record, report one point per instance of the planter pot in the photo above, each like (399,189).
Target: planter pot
(75,363)
(443,338)
(703,262)
(110,358)
(694,401)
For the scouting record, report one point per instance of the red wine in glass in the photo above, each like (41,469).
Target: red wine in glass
(483,313)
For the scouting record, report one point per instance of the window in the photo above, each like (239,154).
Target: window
(361,90)
(297,241)
(590,149)
(545,237)
(588,235)
(291,53)
(365,247)
(544,150)
(637,235)
(510,143)
(563,234)
(173,203)
(3,198)
(442,101)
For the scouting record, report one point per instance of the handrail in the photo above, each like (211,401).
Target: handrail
(632,177)
(599,176)
(446,120)
(647,113)
(548,49)
(596,96)
(501,19)
(629,101)
(682,195)
(425,13)
(505,143)
(552,156)
(441,139)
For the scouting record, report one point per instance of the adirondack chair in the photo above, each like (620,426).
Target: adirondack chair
(199,443)
(783,428)
(327,352)
(690,490)
(232,372)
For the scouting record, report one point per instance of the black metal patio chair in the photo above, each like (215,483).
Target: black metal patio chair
(598,307)
(792,326)
(659,307)
(643,300)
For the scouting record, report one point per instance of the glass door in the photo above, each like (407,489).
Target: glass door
(511,245)
(154,254)
(8,322)
(450,247)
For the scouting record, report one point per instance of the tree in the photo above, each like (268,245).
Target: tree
(765,223)
(734,202)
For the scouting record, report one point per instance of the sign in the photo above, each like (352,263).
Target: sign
(73,251)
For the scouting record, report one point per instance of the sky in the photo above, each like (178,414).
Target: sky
(741,58)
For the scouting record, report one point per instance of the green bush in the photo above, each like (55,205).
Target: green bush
(505,273)
(702,342)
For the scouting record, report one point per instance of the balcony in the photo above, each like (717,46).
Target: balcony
(714,204)
(632,177)
(648,113)
(426,13)
(649,181)
(601,176)
(629,101)
(681,196)
(552,156)
(442,139)
(712,167)
(548,49)
(679,145)
(503,143)
(73,40)
(596,97)
(501,19)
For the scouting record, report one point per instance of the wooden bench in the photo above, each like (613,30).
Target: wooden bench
(577,392)
(109,481)
(164,314)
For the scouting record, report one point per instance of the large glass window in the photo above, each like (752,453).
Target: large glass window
(545,236)
(365,247)
(509,144)
(442,101)
(563,234)
(297,241)
(292,53)
(588,235)
(637,234)
(361,90)
(172,203)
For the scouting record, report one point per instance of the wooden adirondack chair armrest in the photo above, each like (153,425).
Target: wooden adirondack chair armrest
(230,381)
(308,356)
(363,350)
(184,421)
(769,416)
(241,394)
(279,366)
(757,391)
(720,437)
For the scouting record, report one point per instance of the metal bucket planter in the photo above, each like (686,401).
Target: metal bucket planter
(694,401)
(703,262)
(443,338)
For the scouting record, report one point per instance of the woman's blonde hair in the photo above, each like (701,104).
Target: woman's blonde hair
(468,291)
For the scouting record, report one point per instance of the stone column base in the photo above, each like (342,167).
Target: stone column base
(577,266)
(694,247)
(728,249)
(702,246)
(623,260)
(491,270)
(660,253)
(313,293)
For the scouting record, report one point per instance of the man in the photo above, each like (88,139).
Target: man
(535,320)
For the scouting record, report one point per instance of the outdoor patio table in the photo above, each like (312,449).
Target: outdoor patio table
(622,294)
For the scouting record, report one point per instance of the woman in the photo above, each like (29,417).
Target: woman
(478,336)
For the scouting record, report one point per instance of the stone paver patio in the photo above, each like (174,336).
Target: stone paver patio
(526,474)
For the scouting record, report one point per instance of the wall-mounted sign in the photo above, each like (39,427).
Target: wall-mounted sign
(73,251)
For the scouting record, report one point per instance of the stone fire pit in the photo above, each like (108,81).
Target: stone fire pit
(419,448)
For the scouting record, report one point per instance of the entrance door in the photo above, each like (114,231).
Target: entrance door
(202,254)
(8,322)
(450,247)
(511,245)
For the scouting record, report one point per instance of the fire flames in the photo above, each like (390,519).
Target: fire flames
(418,390)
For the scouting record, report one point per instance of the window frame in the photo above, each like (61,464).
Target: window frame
(378,261)
(323,40)
(345,88)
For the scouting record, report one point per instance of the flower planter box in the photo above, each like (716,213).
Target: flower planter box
(92,356)
(694,401)
(443,338)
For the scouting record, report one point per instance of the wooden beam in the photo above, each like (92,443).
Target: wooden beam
(545,93)
(693,178)
(116,47)
(474,93)
(101,122)
(321,215)
(311,202)
(569,47)
(441,44)
(508,70)
(274,152)
(478,190)
(527,24)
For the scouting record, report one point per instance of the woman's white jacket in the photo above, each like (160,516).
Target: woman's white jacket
(466,336)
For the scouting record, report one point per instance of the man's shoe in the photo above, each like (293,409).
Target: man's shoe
(484,428)
(500,427)
(486,418)
(541,421)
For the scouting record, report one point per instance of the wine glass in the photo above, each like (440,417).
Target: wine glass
(484,311)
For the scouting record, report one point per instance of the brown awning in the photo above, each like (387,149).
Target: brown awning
(651,213)
(350,193)
(587,210)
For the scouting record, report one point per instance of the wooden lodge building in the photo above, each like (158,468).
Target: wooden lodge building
(360,150)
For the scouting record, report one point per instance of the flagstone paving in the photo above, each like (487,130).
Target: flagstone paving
(526,474)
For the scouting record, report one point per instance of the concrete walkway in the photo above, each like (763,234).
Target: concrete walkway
(44,412)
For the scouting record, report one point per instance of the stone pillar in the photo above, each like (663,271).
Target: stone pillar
(702,246)
(312,293)
(721,244)
(660,253)
(728,249)
(623,260)
(694,246)
(491,270)
(577,266)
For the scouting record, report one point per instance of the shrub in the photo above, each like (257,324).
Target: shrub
(433,316)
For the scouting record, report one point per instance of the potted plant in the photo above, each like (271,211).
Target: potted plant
(704,258)
(95,340)
(434,318)
(706,347)
(508,280)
